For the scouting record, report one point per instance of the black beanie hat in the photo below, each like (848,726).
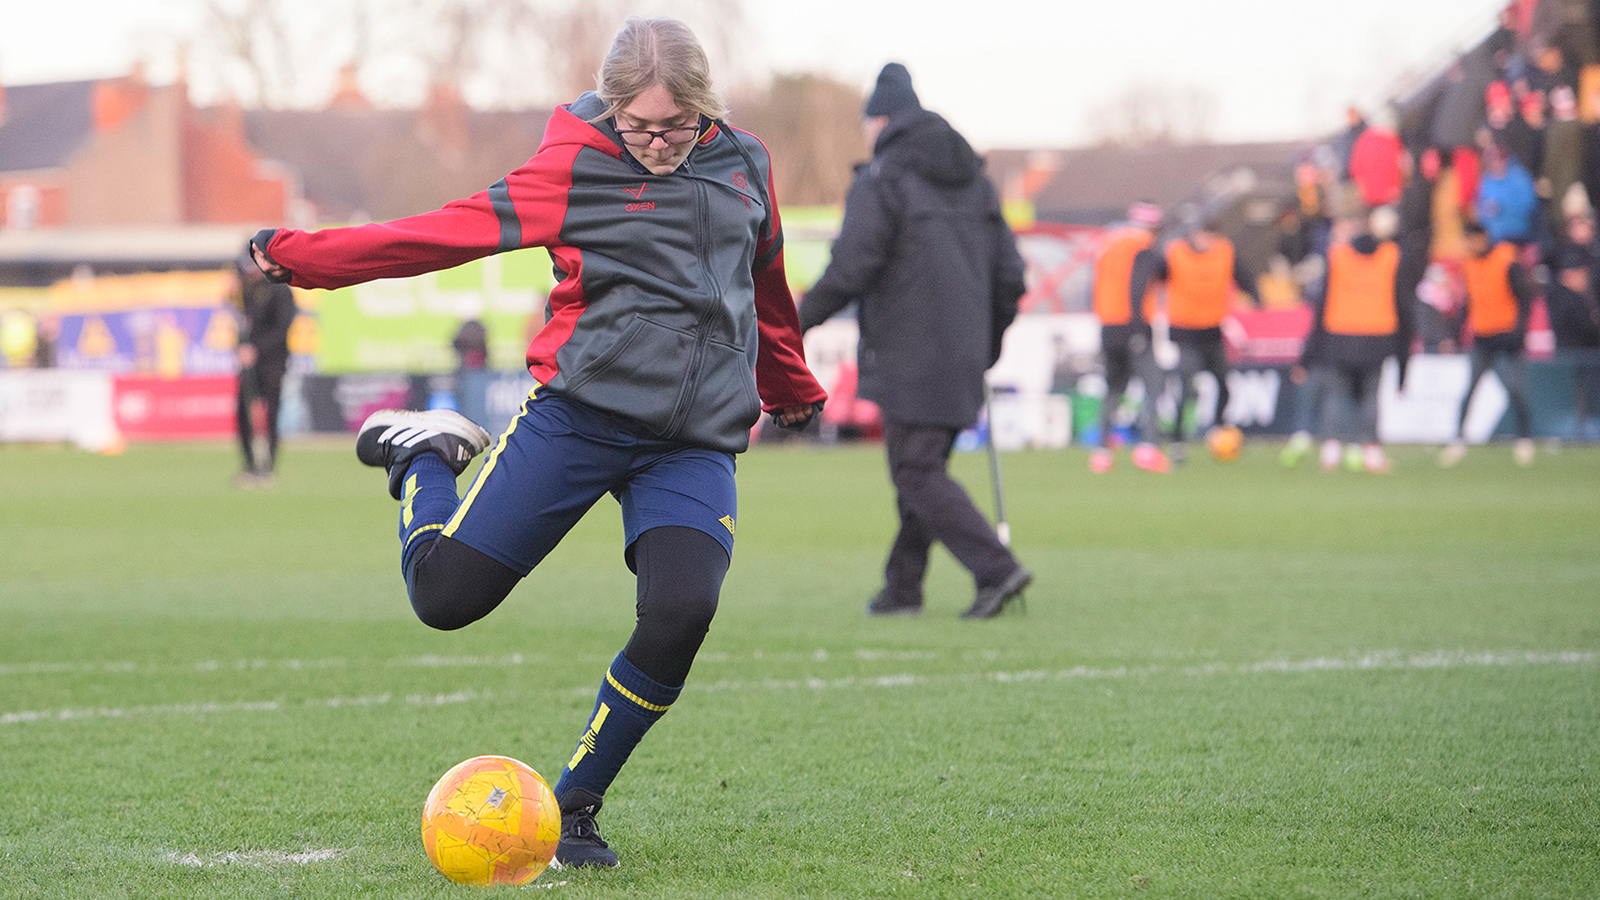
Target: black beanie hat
(893,93)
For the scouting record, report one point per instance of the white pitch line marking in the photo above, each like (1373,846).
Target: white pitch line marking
(429,661)
(1391,660)
(253,858)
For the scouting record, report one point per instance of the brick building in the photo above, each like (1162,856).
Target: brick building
(121,152)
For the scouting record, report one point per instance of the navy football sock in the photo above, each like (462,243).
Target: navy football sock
(428,502)
(628,704)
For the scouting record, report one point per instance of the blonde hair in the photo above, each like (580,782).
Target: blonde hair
(657,51)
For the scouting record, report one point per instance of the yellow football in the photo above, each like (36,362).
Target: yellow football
(1225,443)
(491,820)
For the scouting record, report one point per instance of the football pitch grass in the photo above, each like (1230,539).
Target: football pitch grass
(1234,681)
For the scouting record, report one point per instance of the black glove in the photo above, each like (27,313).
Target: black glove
(801,424)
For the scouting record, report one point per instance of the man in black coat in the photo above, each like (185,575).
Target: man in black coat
(267,310)
(935,271)
(1573,301)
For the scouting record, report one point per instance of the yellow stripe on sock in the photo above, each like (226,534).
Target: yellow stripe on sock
(653,707)
(488,466)
(411,496)
(586,745)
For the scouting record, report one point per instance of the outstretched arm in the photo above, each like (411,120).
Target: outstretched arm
(524,209)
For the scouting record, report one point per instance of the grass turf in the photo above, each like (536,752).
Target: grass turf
(1235,681)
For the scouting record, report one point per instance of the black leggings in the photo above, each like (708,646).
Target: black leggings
(1209,356)
(680,578)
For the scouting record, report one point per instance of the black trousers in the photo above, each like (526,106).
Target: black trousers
(1132,358)
(1193,359)
(934,507)
(1513,372)
(1350,406)
(263,381)
(680,579)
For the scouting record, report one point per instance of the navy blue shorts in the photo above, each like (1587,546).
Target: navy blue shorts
(558,457)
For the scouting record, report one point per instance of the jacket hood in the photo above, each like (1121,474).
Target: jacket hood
(570,124)
(924,143)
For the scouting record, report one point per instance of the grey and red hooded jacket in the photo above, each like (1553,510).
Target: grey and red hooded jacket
(671,307)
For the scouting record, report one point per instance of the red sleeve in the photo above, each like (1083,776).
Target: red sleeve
(524,209)
(782,376)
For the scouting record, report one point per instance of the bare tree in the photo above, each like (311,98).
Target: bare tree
(812,125)
(253,44)
(1149,113)
(496,53)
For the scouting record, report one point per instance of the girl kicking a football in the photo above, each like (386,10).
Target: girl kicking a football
(670,331)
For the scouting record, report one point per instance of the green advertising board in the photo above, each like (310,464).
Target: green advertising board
(407,324)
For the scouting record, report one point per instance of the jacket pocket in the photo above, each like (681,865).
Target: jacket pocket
(725,404)
(640,376)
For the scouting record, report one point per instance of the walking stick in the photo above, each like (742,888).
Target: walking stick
(1002,528)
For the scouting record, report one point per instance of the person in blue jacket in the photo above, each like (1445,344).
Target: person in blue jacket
(1507,199)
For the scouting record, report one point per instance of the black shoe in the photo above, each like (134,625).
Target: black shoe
(991,601)
(886,605)
(581,845)
(392,438)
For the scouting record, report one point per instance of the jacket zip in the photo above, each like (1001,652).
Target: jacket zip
(703,331)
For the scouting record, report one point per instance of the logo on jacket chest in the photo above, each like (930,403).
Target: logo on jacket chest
(640,204)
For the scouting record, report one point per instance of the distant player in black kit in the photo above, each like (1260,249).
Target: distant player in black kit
(267,311)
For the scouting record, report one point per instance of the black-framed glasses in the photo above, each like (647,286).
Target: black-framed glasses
(639,137)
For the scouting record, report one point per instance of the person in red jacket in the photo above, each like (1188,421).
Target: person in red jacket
(670,330)
(1375,163)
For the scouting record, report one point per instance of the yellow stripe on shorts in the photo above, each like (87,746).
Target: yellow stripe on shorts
(488,466)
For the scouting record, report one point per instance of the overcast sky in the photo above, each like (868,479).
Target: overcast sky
(1007,72)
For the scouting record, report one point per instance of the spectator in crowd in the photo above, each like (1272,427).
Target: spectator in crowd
(1512,130)
(1499,299)
(1531,122)
(1294,235)
(1563,158)
(1362,321)
(1312,199)
(1125,339)
(1550,68)
(924,252)
(471,344)
(1467,163)
(1344,146)
(1591,150)
(1574,308)
(1507,199)
(267,309)
(1375,162)
(1416,198)
(1448,213)
(1201,271)
(47,329)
